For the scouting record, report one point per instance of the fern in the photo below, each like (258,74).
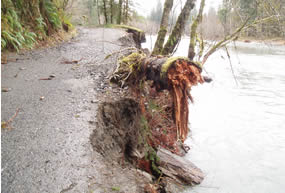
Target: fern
(3,43)
(52,14)
(21,18)
(30,38)
(12,40)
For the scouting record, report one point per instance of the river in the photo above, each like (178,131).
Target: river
(238,121)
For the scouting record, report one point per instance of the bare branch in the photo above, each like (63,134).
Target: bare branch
(231,37)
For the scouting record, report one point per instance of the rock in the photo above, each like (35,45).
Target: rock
(171,186)
(146,175)
(178,168)
(6,89)
(94,101)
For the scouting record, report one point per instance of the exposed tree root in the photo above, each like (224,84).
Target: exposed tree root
(177,75)
(182,77)
(153,116)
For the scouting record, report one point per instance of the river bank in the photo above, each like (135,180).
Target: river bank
(57,111)
(270,41)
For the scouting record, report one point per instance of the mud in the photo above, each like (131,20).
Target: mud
(118,130)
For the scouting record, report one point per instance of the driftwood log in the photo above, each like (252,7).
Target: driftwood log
(178,168)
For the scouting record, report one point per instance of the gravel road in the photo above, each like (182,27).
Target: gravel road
(47,148)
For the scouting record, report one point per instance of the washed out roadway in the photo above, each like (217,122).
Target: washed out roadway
(47,148)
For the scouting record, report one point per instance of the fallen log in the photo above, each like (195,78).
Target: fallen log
(137,34)
(178,168)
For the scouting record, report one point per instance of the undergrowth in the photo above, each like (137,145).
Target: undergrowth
(24,22)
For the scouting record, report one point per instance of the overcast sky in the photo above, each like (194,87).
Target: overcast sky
(144,7)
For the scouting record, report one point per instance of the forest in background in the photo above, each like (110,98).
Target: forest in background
(26,22)
(215,24)
(230,15)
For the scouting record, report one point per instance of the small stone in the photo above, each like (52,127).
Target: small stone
(94,101)
(42,98)
(171,186)
(52,76)
(22,68)
(147,176)
(6,89)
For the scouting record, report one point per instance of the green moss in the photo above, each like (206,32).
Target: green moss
(171,60)
(159,42)
(128,69)
(115,188)
(168,64)
(152,156)
(128,27)
(153,106)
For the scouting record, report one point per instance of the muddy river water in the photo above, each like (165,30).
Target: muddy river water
(238,121)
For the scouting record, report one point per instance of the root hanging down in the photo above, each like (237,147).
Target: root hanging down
(182,77)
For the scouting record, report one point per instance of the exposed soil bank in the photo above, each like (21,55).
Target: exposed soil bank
(137,127)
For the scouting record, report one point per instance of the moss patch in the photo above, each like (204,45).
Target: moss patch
(129,27)
(168,64)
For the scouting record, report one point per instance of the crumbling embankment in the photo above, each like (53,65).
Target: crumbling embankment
(56,92)
(146,126)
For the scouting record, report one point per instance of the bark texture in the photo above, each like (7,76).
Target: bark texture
(193,33)
(119,12)
(178,29)
(105,11)
(111,10)
(163,27)
(178,168)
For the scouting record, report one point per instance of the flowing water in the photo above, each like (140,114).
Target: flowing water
(238,121)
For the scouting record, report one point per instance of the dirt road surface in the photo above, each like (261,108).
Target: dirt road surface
(47,148)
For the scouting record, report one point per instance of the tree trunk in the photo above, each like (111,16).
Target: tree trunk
(111,10)
(120,12)
(193,34)
(126,12)
(163,27)
(105,11)
(179,27)
(98,12)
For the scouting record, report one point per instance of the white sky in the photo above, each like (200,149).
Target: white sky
(144,7)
